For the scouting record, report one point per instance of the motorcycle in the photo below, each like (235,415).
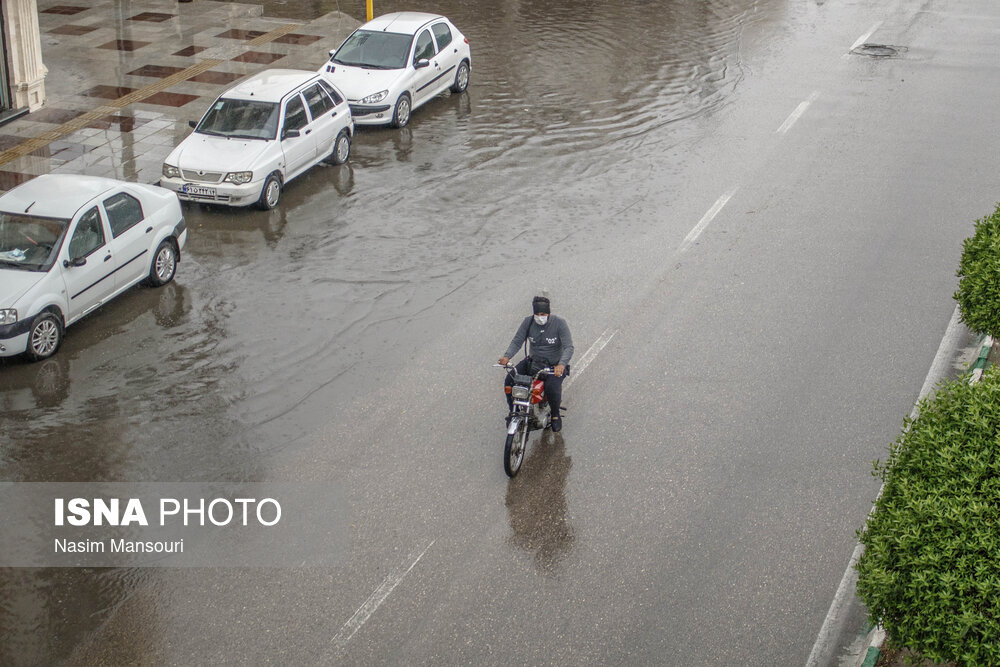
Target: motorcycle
(530,412)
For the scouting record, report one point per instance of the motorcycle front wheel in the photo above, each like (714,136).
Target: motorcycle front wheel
(513,450)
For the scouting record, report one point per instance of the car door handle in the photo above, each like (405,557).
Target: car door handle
(149,229)
(333,114)
(108,258)
(307,131)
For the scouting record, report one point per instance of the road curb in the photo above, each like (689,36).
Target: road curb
(872,648)
(979,366)
(871,657)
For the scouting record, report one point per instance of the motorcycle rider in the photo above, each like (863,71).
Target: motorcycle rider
(551,345)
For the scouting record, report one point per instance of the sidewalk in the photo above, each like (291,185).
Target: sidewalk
(126,76)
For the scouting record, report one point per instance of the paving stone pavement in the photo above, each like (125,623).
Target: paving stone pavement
(124,79)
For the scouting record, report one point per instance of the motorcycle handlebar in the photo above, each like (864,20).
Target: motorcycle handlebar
(545,371)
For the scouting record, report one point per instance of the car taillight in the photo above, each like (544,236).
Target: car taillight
(466,39)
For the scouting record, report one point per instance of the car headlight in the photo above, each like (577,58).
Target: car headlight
(8,316)
(170,171)
(238,177)
(377,97)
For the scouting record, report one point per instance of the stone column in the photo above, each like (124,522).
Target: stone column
(24,42)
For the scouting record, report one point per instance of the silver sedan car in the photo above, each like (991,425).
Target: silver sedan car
(69,244)
(393,64)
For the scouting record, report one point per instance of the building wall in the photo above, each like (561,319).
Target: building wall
(4,79)
(23,65)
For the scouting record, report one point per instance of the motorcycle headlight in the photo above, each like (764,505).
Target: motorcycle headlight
(8,316)
(170,171)
(377,97)
(239,177)
(521,393)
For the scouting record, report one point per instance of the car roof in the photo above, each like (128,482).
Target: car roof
(401,22)
(56,195)
(271,85)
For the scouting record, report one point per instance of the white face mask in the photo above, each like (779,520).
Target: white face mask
(540,320)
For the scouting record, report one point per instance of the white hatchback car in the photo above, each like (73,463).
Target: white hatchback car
(258,136)
(396,62)
(69,244)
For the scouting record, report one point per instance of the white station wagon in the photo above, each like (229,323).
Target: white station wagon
(397,62)
(69,244)
(259,135)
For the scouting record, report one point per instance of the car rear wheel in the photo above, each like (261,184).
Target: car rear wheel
(461,78)
(341,148)
(270,193)
(164,264)
(401,113)
(44,336)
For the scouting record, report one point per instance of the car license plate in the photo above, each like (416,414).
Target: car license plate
(198,190)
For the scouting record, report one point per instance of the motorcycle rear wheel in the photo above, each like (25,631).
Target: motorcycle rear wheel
(513,450)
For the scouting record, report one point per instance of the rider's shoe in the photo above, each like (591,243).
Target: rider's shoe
(556,424)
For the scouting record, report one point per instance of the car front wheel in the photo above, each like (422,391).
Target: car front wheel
(401,114)
(44,336)
(270,193)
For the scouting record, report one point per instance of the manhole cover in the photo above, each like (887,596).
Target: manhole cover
(879,50)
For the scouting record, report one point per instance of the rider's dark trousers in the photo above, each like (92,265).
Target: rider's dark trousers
(553,387)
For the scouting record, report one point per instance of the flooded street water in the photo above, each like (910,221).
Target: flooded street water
(572,108)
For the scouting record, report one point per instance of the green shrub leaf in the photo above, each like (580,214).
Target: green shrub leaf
(930,571)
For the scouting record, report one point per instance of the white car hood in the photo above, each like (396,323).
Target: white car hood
(14,283)
(207,153)
(358,82)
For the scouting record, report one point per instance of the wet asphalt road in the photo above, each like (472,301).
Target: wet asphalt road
(700,505)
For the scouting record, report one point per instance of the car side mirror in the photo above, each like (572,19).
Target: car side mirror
(289,134)
(332,51)
(76,261)
(423,62)
(192,123)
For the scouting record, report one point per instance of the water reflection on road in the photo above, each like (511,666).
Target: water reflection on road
(536,503)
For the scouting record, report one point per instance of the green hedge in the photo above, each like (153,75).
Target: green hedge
(930,572)
(978,292)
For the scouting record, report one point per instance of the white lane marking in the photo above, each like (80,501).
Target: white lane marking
(373,602)
(589,355)
(795,115)
(938,370)
(864,37)
(707,218)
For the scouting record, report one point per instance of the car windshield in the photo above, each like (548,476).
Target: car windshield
(374,50)
(240,119)
(28,242)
